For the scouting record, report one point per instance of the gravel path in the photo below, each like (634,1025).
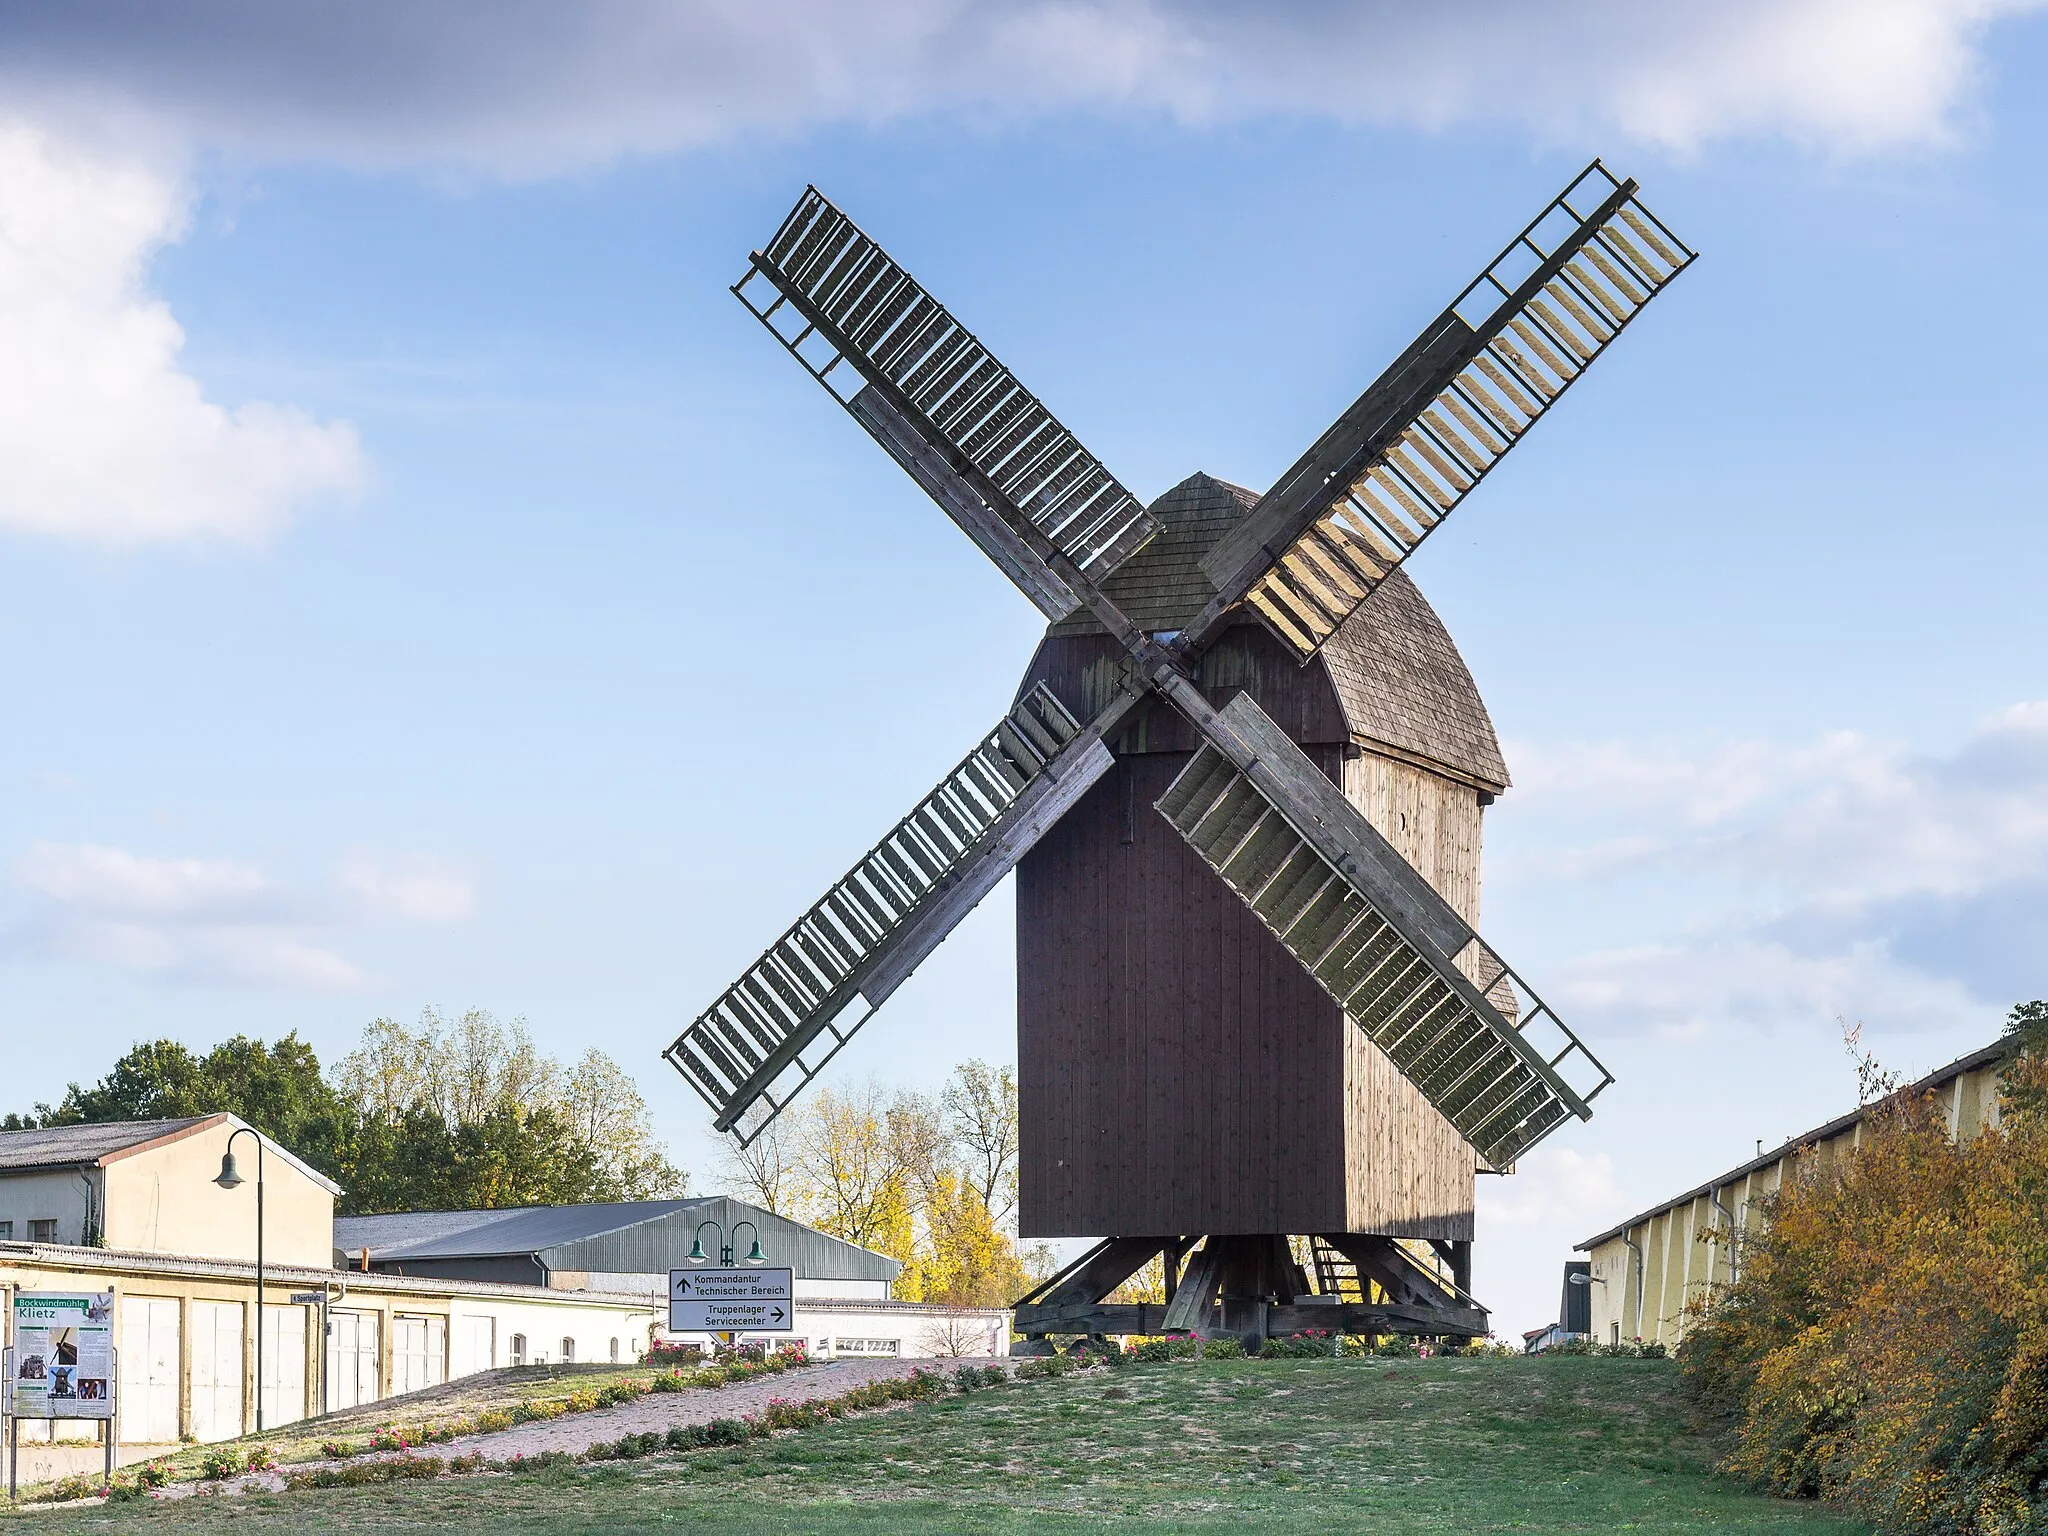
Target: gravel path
(578,1432)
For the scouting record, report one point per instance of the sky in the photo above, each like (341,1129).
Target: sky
(422,584)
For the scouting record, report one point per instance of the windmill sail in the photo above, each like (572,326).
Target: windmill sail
(1431,427)
(1372,932)
(976,439)
(753,1046)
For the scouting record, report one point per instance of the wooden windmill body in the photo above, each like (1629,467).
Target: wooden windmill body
(1179,1072)
(1259,1032)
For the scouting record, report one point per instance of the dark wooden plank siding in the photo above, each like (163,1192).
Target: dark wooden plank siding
(1177,1071)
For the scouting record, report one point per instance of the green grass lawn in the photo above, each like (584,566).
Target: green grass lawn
(1530,1445)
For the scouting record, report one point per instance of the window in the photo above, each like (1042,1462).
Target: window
(6,1230)
(867,1346)
(519,1349)
(615,1351)
(43,1230)
(568,1350)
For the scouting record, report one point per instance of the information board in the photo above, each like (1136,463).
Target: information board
(735,1300)
(63,1361)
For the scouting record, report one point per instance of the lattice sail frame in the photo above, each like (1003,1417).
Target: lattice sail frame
(1438,422)
(1425,988)
(741,1049)
(854,305)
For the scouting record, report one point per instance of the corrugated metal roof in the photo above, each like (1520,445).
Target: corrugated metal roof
(490,1234)
(60,1146)
(1941,1077)
(1397,674)
(402,1229)
(625,1237)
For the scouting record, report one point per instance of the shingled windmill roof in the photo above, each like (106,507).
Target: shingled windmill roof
(1398,677)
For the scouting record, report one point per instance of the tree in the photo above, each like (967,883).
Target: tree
(855,1184)
(442,1116)
(470,1115)
(980,1107)
(765,1168)
(608,1121)
(967,1261)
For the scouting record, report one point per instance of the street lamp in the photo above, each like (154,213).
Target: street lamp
(725,1248)
(228,1178)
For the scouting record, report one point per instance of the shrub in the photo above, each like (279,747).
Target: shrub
(728,1432)
(339,1450)
(231,1461)
(65,1489)
(1044,1368)
(1153,1351)
(1395,1346)
(1887,1342)
(1228,1347)
(972,1378)
(1311,1344)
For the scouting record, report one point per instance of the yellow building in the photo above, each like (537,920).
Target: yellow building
(1645,1270)
(133,1209)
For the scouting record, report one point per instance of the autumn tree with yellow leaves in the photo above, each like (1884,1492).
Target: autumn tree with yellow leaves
(929,1180)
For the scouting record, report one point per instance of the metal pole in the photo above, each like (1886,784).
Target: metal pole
(259,1282)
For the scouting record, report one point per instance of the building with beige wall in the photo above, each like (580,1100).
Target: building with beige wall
(148,1186)
(1644,1271)
(133,1208)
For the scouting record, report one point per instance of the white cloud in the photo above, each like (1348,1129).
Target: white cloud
(112,881)
(218,921)
(528,86)
(1741,882)
(102,437)
(1554,1187)
(408,885)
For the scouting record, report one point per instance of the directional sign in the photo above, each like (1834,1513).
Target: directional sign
(731,1300)
(731,1317)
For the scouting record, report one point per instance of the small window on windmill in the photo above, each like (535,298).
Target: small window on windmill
(568,1350)
(615,1351)
(519,1349)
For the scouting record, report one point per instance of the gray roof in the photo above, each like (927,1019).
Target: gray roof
(628,1237)
(403,1229)
(1399,679)
(485,1234)
(69,1146)
(63,1146)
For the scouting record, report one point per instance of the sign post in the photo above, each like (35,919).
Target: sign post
(731,1300)
(61,1365)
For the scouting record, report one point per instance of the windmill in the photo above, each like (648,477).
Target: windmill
(1199,1093)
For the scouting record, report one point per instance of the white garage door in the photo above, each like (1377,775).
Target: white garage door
(351,1360)
(149,1370)
(419,1353)
(284,1365)
(216,1370)
(477,1341)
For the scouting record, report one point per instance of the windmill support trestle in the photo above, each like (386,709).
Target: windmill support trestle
(1257,1286)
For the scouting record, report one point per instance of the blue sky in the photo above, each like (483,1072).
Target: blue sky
(421,583)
